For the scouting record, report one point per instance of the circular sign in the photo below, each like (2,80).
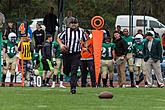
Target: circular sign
(97,22)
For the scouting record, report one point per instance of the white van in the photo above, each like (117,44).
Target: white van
(35,21)
(138,23)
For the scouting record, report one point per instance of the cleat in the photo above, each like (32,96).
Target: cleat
(3,85)
(61,86)
(10,85)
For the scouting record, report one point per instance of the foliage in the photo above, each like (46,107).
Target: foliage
(82,9)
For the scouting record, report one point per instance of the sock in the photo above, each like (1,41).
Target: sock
(11,78)
(3,78)
(132,78)
(104,82)
(99,80)
(111,83)
(53,83)
(47,81)
(43,81)
(61,82)
(137,82)
(145,83)
(54,77)
(61,77)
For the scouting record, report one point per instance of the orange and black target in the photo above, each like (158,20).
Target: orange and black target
(97,22)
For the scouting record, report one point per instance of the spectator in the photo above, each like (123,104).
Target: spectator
(71,38)
(39,36)
(47,58)
(152,52)
(67,18)
(163,40)
(156,34)
(87,61)
(10,28)
(118,28)
(50,22)
(120,52)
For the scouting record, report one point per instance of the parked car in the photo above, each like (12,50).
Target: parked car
(140,22)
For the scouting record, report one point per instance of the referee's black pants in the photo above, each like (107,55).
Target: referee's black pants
(71,63)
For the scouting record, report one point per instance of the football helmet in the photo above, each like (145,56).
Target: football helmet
(12,37)
(138,38)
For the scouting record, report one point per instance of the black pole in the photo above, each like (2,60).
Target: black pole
(144,21)
(60,14)
(131,13)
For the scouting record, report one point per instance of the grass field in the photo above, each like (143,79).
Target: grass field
(17,98)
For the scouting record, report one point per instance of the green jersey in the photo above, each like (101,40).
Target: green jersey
(129,40)
(138,50)
(56,49)
(10,49)
(107,51)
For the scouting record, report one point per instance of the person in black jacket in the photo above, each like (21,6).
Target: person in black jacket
(50,22)
(152,52)
(39,37)
(46,58)
(119,53)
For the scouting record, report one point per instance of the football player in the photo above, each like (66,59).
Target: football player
(107,62)
(139,61)
(9,58)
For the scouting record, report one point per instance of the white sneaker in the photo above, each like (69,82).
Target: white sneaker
(53,85)
(61,86)
(154,86)
(137,86)
(146,86)
(124,86)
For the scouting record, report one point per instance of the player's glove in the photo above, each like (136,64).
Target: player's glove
(54,62)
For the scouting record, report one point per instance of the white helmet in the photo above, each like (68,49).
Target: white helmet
(138,38)
(12,37)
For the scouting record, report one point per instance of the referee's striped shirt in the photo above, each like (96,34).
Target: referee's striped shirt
(72,39)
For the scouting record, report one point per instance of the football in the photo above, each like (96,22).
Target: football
(64,49)
(105,95)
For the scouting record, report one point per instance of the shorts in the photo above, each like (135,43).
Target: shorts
(45,65)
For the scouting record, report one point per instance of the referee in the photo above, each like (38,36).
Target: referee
(71,38)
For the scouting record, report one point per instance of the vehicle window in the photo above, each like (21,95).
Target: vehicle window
(41,22)
(141,22)
(154,24)
(161,26)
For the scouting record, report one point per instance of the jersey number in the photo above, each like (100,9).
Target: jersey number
(104,52)
(10,50)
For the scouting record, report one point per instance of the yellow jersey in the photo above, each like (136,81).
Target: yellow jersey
(26,50)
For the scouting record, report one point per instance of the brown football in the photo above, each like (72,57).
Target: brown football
(64,50)
(105,95)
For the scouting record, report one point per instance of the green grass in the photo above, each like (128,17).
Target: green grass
(17,98)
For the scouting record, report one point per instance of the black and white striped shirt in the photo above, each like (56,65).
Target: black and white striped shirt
(72,39)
